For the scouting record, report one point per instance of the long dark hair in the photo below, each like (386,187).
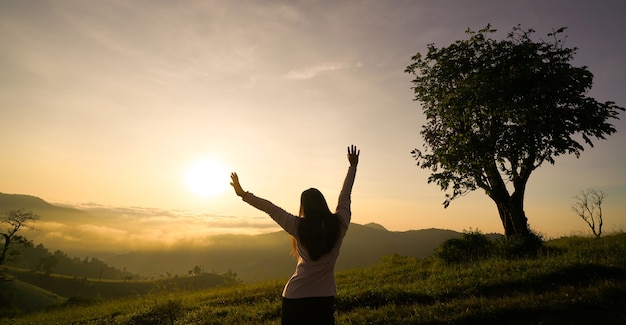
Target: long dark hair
(319,229)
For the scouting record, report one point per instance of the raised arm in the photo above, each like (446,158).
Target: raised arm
(343,204)
(284,219)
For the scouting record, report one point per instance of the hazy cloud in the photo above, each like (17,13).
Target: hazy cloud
(56,236)
(111,228)
(314,71)
(96,230)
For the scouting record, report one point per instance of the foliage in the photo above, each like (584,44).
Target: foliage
(40,258)
(48,263)
(15,220)
(515,246)
(588,206)
(472,246)
(584,283)
(498,109)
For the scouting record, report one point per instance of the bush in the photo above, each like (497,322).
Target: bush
(472,246)
(521,247)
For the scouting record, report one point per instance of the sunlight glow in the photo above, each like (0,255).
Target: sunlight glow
(207,177)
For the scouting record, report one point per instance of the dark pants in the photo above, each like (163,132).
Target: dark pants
(314,310)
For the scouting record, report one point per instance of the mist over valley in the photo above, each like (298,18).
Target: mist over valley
(158,243)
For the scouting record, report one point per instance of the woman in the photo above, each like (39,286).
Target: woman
(308,296)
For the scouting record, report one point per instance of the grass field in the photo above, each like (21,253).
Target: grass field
(580,281)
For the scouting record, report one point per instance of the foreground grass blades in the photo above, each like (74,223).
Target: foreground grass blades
(581,281)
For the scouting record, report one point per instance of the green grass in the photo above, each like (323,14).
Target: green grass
(106,289)
(580,281)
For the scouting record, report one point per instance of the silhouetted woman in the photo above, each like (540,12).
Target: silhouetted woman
(308,296)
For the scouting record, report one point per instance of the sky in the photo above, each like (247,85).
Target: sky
(110,104)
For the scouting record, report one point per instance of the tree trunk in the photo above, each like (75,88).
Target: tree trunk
(513,219)
(3,255)
(510,206)
(511,210)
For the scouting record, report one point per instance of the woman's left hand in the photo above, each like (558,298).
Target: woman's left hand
(236,185)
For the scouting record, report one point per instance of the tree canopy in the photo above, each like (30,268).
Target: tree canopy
(498,109)
(14,221)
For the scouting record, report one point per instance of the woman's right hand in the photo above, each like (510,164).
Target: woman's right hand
(235,184)
(353,155)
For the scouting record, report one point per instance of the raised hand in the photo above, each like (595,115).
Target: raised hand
(353,155)
(235,184)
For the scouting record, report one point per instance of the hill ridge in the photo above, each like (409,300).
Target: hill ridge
(16,201)
(30,202)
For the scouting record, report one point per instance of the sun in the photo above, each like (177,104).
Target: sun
(207,177)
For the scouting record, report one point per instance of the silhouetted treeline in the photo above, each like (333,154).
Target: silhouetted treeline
(39,258)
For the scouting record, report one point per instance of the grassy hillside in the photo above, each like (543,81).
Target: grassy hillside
(24,291)
(67,286)
(26,297)
(581,281)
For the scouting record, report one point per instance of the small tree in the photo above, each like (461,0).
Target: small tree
(48,263)
(16,220)
(588,206)
(496,110)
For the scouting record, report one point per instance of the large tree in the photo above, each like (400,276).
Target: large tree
(12,222)
(496,110)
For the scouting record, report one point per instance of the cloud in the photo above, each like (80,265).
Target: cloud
(101,231)
(314,71)
(48,226)
(113,228)
(57,236)
(146,217)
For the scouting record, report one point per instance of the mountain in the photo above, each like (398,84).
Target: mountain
(266,256)
(252,257)
(19,201)
(375,226)
(37,206)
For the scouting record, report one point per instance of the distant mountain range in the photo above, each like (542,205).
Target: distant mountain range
(266,256)
(252,257)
